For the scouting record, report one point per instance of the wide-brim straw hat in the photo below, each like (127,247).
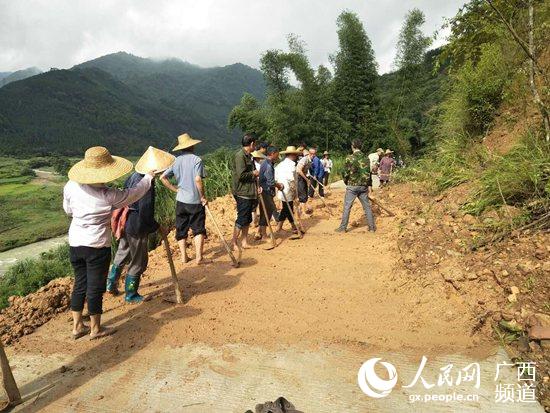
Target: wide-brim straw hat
(154,160)
(291,150)
(185,141)
(388,151)
(258,154)
(380,150)
(99,167)
(326,153)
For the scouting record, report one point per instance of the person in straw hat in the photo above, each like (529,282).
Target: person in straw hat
(188,170)
(285,176)
(244,190)
(385,168)
(140,222)
(327,165)
(90,203)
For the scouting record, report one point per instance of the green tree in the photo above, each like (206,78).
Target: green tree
(355,91)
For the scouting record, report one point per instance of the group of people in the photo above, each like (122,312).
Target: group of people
(98,210)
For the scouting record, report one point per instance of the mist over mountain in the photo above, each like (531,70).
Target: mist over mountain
(123,102)
(8,77)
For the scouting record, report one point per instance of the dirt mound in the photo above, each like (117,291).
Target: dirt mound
(27,313)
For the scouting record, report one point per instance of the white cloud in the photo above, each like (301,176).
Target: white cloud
(61,33)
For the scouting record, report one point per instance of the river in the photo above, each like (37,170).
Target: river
(10,257)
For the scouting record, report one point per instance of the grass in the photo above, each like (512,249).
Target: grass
(29,212)
(31,274)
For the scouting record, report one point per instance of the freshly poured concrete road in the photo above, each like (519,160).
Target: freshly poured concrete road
(234,378)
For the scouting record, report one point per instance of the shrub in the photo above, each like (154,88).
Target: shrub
(516,178)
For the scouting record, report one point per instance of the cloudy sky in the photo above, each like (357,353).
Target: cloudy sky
(61,33)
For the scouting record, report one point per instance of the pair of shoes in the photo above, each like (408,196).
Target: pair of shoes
(340,229)
(112,279)
(131,285)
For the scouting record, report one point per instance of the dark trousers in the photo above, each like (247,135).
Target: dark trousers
(313,186)
(271,209)
(285,212)
(325,178)
(302,190)
(245,207)
(90,266)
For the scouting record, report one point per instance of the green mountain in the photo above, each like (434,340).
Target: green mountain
(18,75)
(123,102)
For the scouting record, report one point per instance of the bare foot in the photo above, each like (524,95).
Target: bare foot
(103,332)
(81,332)
(246,246)
(203,261)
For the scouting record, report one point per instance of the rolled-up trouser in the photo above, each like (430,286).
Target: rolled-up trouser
(302,190)
(285,212)
(360,192)
(270,207)
(134,252)
(90,266)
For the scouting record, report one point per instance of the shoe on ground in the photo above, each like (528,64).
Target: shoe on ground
(340,229)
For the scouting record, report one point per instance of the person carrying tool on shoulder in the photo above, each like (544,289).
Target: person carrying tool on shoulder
(358,185)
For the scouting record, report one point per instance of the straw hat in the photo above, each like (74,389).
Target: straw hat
(290,150)
(99,167)
(258,154)
(380,151)
(185,141)
(154,160)
(326,153)
(388,151)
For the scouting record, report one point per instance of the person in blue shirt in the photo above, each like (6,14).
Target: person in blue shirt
(188,170)
(268,185)
(317,173)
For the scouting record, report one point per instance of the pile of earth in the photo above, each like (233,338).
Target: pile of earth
(505,283)
(25,314)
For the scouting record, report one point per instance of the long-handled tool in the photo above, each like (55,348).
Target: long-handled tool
(177,287)
(298,213)
(267,218)
(220,234)
(322,198)
(383,208)
(299,226)
(8,382)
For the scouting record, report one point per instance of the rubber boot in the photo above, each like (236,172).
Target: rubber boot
(112,279)
(131,286)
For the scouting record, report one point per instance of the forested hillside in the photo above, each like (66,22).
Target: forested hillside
(123,102)
(18,75)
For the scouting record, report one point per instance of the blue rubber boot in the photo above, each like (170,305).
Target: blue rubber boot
(131,286)
(112,279)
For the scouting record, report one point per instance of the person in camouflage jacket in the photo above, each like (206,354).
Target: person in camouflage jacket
(358,184)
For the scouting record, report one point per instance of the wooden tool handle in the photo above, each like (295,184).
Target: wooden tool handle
(220,234)
(177,287)
(268,220)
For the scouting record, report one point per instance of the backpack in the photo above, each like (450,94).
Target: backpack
(118,221)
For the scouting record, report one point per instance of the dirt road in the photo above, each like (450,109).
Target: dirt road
(296,321)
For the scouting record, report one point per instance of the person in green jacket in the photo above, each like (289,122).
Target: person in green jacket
(244,190)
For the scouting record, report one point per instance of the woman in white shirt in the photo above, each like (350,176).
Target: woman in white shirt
(327,164)
(90,203)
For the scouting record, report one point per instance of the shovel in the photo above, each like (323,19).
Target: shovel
(234,260)
(383,208)
(177,287)
(299,226)
(264,210)
(322,198)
